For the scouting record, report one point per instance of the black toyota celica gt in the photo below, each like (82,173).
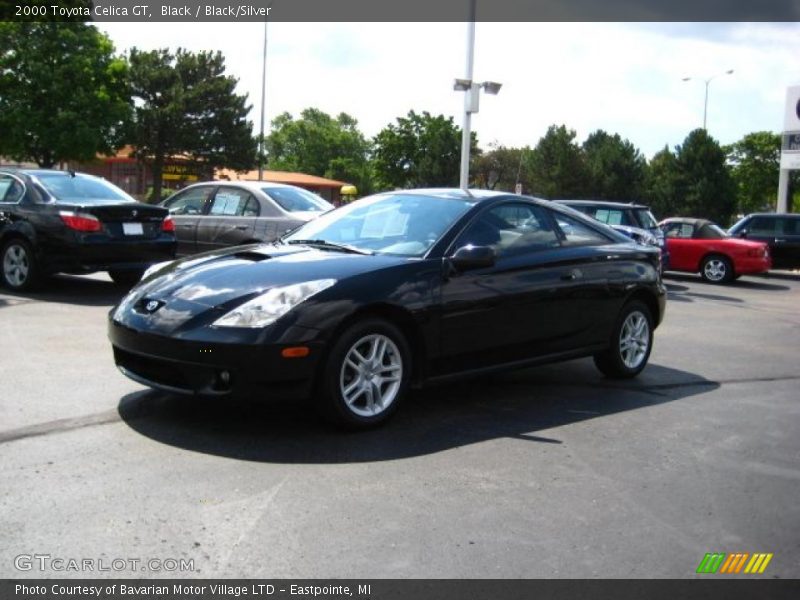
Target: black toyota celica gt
(395,290)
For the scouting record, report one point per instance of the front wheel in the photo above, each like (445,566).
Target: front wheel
(20,269)
(631,343)
(366,375)
(717,269)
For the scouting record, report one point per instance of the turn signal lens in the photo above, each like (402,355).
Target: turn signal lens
(168,225)
(295,352)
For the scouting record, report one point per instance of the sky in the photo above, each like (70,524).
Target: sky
(625,78)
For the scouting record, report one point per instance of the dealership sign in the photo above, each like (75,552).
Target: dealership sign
(790,145)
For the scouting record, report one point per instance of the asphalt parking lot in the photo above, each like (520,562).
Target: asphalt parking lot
(547,472)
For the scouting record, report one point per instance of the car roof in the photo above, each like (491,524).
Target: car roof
(688,220)
(774,215)
(603,203)
(245,183)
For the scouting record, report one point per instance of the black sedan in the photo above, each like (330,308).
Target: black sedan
(67,222)
(395,290)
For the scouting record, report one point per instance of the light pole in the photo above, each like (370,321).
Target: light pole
(263,102)
(471,91)
(708,81)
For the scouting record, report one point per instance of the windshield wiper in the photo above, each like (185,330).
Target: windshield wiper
(326,245)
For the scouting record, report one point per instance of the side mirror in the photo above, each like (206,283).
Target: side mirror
(473,257)
(742,233)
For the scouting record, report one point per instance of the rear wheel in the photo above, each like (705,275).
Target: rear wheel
(126,278)
(717,269)
(366,375)
(631,343)
(20,270)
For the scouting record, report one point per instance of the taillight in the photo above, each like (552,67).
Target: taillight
(168,225)
(80,221)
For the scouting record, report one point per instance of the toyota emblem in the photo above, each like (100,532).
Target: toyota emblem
(134,213)
(152,306)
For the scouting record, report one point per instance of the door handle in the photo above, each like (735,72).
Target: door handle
(185,226)
(242,227)
(572,275)
(780,240)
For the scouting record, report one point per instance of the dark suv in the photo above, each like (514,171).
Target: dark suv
(780,231)
(627,218)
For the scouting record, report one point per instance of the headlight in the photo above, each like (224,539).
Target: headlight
(153,268)
(272,304)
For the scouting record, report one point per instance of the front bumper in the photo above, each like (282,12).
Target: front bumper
(746,265)
(214,368)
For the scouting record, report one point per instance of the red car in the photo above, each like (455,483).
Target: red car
(700,246)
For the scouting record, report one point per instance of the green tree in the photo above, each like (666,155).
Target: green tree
(63,94)
(320,145)
(557,167)
(185,104)
(419,150)
(498,168)
(706,186)
(755,162)
(615,167)
(662,184)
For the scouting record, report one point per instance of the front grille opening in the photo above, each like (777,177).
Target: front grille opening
(152,370)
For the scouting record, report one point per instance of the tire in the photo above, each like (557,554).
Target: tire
(126,278)
(631,343)
(350,393)
(19,268)
(717,269)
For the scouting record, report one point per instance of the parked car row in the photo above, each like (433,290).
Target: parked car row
(756,244)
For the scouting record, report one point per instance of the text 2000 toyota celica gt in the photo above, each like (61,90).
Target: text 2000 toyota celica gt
(395,290)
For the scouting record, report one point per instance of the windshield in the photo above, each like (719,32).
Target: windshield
(647,219)
(81,189)
(297,200)
(403,224)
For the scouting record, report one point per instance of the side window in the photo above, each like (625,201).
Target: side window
(511,229)
(190,202)
(612,216)
(679,230)
(791,226)
(229,202)
(251,209)
(577,233)
(11,190)
(762,226)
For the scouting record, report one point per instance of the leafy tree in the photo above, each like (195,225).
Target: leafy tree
(419,150)
(706,187)
(755,161)
(185,104)
(498,168)
(62,92)
(320,145)
(662,184)
(557,166)
(616,168)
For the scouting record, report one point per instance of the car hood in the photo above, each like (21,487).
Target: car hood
(218,278)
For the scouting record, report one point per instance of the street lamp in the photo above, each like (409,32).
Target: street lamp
(707,81)
(472,96)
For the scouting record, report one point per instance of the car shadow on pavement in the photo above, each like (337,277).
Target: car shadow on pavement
(750,282)
(526,405)
(69,289)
